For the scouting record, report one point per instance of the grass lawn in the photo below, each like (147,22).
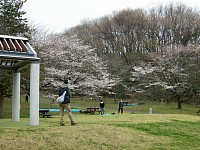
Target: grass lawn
(167,128)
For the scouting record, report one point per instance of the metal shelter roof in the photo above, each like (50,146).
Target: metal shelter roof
(15,52)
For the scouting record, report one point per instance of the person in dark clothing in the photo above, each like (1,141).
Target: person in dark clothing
(26,98)
(121,105)
(102,107)
(65,104)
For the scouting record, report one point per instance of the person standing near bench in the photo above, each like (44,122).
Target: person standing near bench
(65,104)
(121,105)
(102,107)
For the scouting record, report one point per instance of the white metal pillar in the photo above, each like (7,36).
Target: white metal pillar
(16,97)
(34,93)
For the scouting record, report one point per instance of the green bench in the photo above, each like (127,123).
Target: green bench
(44,113)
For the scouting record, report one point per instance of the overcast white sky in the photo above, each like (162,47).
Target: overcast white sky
(58,15)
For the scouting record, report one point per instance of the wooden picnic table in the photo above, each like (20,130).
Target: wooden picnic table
(92,110)
(126,102)
(45,113)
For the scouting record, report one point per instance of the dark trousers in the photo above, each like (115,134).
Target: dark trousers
(120,110)
(102,110)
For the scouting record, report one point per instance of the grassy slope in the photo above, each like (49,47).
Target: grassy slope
(167,128)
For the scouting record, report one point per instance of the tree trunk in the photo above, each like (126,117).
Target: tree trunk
(1,106)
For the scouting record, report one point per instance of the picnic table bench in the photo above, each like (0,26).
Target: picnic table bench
(45,113)
(92,110)
(126,102)
(198,112)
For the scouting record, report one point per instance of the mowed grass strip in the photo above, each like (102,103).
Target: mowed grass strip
(126,131)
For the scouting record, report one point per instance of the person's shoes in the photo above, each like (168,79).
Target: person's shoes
(74,123)
(62,124)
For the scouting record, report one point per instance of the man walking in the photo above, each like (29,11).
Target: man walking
(65,104)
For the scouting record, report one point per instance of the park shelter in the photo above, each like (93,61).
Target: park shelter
(15,53)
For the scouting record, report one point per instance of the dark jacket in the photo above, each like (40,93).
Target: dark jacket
(67,95)
(102,104)
(121,104)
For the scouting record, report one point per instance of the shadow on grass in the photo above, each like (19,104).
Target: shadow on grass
(25,122)
(8,123)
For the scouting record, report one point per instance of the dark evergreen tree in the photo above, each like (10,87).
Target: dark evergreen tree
(11,18)
(11,23)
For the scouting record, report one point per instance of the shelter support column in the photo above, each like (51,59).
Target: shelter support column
(16,97)
(34,93)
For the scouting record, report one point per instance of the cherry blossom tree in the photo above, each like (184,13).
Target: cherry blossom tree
(175,71)
(65,56)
